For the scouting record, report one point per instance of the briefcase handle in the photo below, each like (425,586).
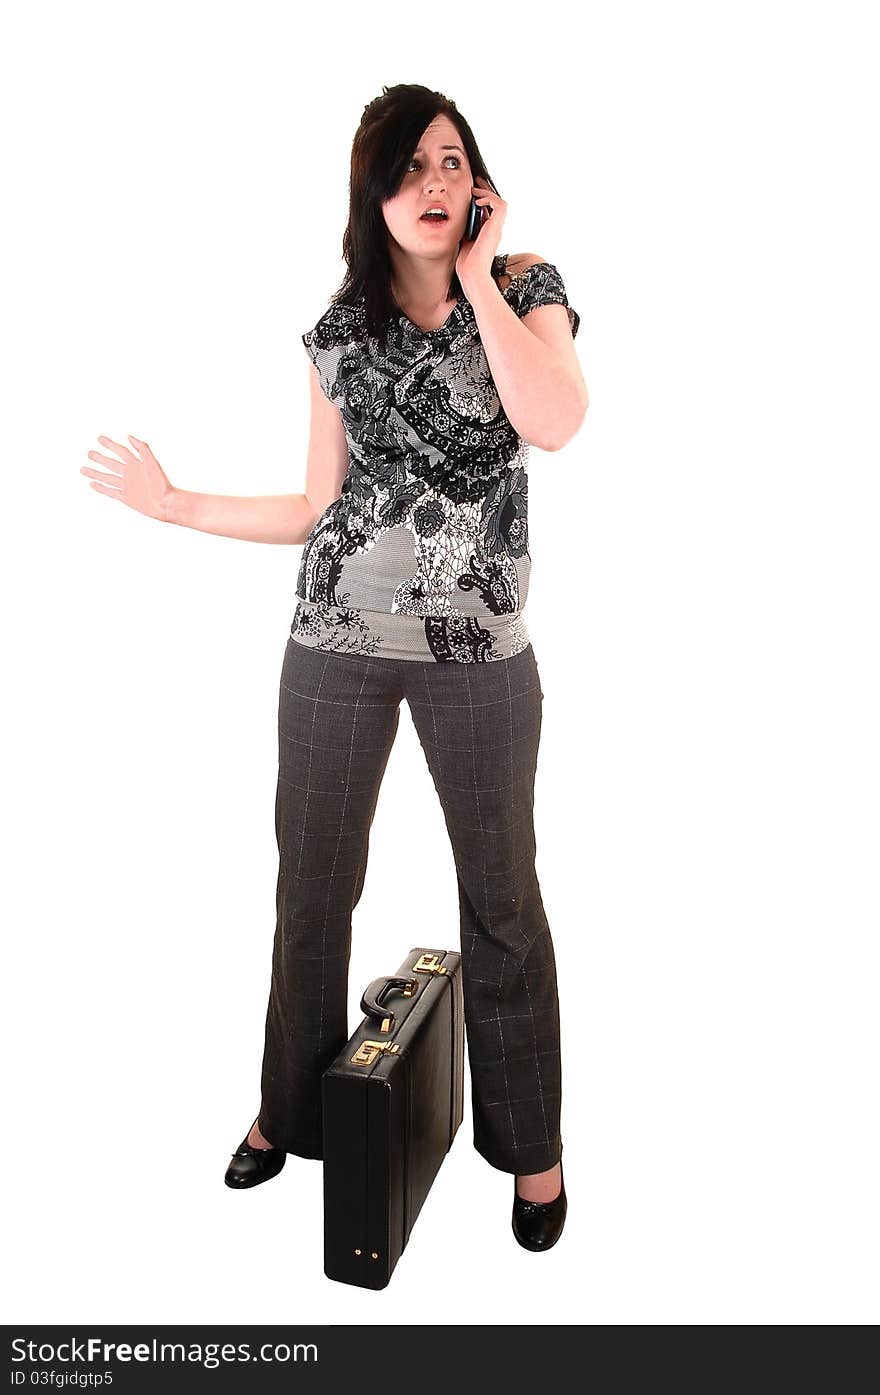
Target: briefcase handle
(371,1002)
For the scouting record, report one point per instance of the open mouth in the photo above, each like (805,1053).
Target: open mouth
(434,218)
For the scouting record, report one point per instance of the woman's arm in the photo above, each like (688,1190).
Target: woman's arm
(137,479)
(267,518)
(533,363)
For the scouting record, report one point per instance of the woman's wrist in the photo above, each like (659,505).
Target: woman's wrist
(174,507)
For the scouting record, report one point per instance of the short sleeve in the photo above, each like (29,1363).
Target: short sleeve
(540,284)
(322,356)
(335,347)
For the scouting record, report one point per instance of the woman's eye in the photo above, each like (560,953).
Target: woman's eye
(448,157)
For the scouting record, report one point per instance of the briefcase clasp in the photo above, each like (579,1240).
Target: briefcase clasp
(369,1050)
(429,964)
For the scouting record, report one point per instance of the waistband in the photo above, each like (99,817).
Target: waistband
(391,635)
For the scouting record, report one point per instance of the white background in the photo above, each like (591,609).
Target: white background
(703,611)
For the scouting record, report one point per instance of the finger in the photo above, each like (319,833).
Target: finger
(102,489)
(141,445)
(115,465)
(97,475)
(123,450)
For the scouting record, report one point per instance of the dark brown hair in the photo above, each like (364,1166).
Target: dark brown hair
(383,146)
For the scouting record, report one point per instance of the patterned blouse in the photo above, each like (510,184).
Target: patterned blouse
(425,554)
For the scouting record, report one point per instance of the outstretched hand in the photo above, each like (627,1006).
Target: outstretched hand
(137,479)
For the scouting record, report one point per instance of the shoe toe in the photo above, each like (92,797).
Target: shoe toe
(538,1225)
(250,1166)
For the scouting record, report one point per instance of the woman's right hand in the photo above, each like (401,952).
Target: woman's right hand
(137,479)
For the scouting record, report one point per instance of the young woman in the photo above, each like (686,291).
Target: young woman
(437,364)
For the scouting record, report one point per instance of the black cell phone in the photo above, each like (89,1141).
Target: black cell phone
(476,214)
(474,221)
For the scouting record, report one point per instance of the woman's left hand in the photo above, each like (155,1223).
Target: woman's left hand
(475,258)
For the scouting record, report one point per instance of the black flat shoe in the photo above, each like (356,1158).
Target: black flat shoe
(250,1166)
(537,1225)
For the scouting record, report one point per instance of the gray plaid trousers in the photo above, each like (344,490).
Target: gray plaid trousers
(479,725)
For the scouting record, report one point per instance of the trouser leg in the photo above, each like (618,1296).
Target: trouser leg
(479,726)
(338,716)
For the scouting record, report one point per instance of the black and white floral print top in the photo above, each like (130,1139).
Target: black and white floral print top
(425,554)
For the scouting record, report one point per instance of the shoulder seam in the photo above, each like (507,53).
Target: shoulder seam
(522,261)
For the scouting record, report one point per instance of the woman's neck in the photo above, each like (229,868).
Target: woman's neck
(421,284)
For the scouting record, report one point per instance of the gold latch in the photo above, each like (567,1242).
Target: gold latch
(429,964)
(369,1050)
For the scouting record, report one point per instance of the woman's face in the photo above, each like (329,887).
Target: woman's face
(438,174)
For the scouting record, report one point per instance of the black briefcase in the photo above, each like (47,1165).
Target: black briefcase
(392,1102)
